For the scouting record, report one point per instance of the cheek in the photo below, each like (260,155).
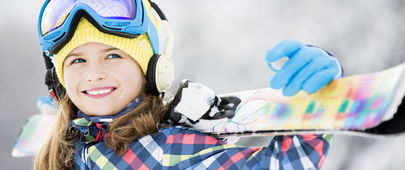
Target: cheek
(132,78)
(71,81)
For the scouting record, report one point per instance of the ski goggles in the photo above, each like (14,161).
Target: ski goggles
(126,18)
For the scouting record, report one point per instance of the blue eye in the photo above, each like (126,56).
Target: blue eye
(78,60)
(113,56)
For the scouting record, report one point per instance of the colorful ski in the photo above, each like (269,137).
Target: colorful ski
(348,105)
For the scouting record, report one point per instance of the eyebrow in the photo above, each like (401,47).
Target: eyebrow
(73,54)
(110,49)
(79,54)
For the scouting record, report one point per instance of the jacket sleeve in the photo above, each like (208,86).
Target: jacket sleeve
(296,152)
(190,149)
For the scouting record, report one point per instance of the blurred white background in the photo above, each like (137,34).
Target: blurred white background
(222,44)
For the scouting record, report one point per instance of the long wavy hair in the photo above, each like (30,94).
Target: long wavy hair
(58,151)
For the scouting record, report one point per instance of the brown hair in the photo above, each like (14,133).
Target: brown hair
(58,151)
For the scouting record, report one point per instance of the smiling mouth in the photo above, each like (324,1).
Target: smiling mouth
(99,92)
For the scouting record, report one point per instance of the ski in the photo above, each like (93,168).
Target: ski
(362,105)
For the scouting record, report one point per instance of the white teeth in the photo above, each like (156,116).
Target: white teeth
(98,92)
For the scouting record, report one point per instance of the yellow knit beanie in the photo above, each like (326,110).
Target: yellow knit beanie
(139,48)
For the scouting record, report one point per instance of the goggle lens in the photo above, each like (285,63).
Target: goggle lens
(57,11)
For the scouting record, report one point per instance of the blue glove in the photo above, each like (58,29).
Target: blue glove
(308,68)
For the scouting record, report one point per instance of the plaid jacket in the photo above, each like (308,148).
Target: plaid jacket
(179,147)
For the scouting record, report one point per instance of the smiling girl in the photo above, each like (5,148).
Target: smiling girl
(96,82)
(105,56)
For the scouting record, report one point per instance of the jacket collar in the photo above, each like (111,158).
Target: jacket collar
(94,128)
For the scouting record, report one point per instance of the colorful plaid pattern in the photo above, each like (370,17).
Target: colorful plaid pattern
(182,148)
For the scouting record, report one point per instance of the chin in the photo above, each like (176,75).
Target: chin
(100,112)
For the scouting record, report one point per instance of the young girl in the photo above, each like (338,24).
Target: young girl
(109,80)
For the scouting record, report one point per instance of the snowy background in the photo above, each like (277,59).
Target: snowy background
(222,44)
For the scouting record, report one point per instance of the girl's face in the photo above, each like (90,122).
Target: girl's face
(101,80)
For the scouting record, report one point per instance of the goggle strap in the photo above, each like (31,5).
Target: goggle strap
(158,10)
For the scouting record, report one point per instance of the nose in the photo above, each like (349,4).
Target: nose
(95,73)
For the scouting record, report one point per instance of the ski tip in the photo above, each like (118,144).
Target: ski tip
(16,153)
(398,96)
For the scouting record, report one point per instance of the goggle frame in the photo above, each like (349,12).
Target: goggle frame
(54,40)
